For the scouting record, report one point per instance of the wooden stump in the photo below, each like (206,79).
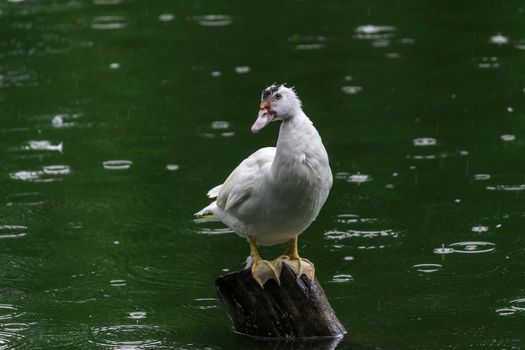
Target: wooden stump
(298,308)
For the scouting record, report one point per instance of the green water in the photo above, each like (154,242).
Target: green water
(420,105)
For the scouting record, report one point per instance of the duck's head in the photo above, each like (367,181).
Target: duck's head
(278,102)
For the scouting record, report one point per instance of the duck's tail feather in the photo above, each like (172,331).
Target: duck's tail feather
(207,212)
(214,192)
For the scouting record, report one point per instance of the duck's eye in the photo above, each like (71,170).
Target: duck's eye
(278,96)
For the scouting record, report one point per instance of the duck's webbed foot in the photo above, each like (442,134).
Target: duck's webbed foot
(263,270)
(299,266)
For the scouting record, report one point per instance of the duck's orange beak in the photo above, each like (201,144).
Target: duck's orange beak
(264,117)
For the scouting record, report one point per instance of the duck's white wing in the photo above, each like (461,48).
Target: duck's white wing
(239,185)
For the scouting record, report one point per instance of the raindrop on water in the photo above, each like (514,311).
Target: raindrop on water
(498,39)
(166,17)
(117,164)
(342,278)
(425,141)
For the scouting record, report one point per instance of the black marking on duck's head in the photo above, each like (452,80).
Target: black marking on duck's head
(266,93)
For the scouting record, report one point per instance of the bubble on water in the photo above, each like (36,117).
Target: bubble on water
(57,121)
(472,247)
(479,229)
(57,169)
(342,278)
(508,137)
(427,268)
(220,125)
(482,177)
(64,120)
(425,141)
(498,39)
(109,22)
(351,90)
(117,164)
(242,69)
(216,74)
(228,134)
(213,20)
(114,65)
(348,258)
(510,109)
(172,167)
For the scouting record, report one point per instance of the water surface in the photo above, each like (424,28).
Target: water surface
(119,115)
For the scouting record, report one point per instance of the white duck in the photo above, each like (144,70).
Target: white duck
(277,192)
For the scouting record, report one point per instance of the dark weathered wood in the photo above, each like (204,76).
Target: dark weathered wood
(298,308)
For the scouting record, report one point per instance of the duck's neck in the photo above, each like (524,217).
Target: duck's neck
(297,136)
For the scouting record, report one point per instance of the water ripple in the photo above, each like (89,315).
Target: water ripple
(473,247)
(117,164)
(213,20)
(132,336)
(12,231)
(307,42)
(25,198)
(109,22)
(8,312)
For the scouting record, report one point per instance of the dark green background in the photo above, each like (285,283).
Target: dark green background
(114,258)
